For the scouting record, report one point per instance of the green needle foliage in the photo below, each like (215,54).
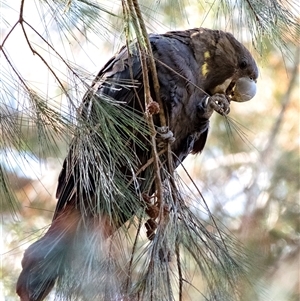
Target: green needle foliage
(189,254)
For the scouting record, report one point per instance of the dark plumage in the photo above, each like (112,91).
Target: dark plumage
(199,71)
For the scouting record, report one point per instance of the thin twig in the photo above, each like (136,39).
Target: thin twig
(254,13)
(206,206)
(55,51)
(6,37)
(180,75)
(285,102)
(141,37)
(15,71)
(21,11)
(34,52)
(152,64)
(156,86)
(148,163)
(180,279)
(158,182)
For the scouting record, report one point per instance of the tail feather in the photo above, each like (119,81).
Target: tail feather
(36,279)
(44,260)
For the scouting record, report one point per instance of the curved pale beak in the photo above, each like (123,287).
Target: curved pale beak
(243,90)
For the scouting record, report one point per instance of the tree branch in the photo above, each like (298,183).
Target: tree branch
(286,98)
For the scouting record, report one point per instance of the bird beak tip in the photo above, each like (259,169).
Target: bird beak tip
(244,90)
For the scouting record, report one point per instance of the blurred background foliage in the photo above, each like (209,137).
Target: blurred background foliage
(248,172)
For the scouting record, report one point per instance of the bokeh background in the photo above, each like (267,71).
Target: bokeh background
(248,172)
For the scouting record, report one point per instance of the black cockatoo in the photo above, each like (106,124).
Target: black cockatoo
(199,71)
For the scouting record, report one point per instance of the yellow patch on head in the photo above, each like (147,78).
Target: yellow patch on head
(206,55)
(204,69)
(205,65)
